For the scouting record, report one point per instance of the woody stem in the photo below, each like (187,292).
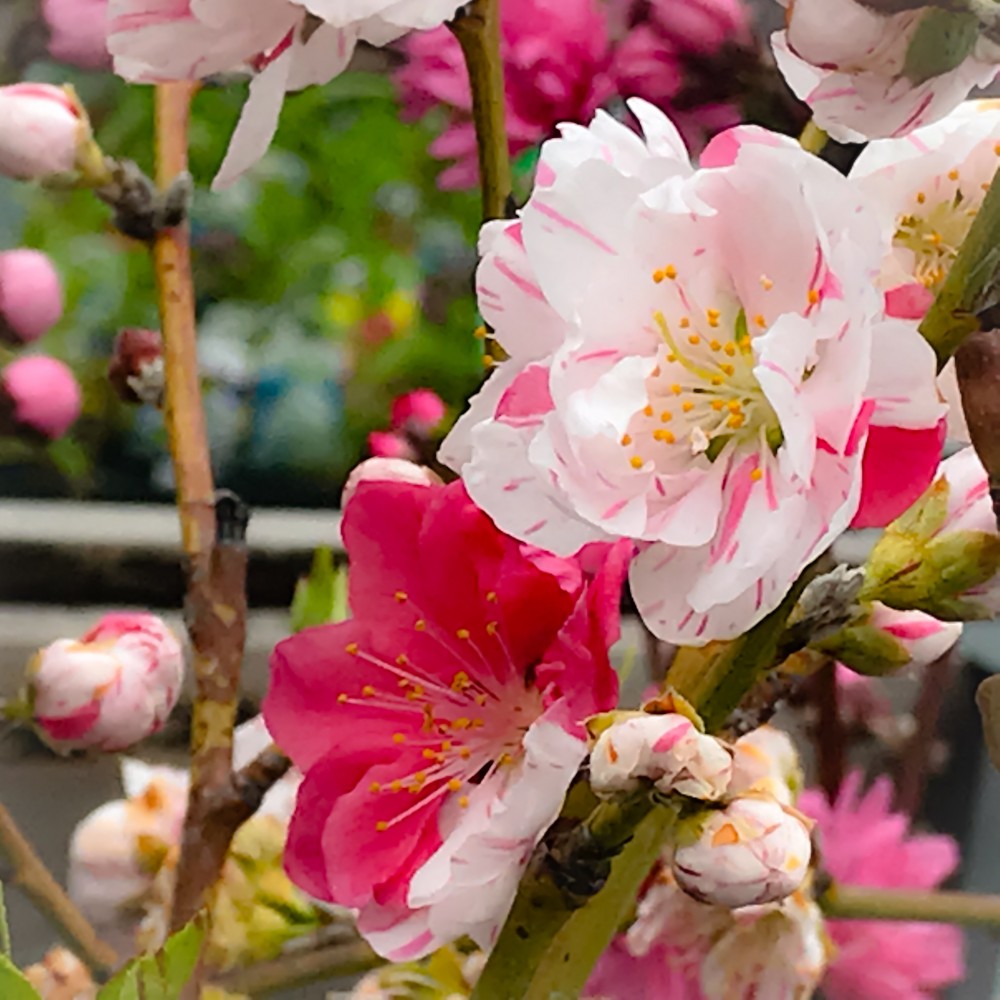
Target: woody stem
(857,903)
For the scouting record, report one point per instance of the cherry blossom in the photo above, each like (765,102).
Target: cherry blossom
(852,66)
(440,728)
(43,131)
(675,377)
(288,44)
(31,296)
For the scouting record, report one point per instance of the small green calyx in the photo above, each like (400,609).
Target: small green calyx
(943,41)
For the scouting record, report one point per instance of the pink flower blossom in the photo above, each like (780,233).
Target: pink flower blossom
(39,395)
(865,843)
(78,32)
(620,975)
(391,445)
(556,55)
(112,687)
(419,411)
(31,298)
(390,470)
(440,728)
(42,130)
(291,44)
(849,64)
(676,379)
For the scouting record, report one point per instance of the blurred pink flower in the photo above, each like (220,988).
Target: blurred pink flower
(620,975)
(556,55)
(863,842)
(42,131)
(31,298)
(389,444)
(78,32)
(420,411)
(39,395)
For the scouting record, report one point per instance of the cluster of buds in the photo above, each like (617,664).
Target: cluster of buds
(107,690)
(415,419)
(752,847)
(136,370)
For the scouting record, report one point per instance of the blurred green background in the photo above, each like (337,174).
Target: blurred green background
(330,279)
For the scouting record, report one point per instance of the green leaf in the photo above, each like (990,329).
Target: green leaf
(942,41)
(320,597)
(161,976)
(13,985)
(4,926)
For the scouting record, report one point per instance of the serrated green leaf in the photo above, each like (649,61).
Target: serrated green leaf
(13,985)
(161,976)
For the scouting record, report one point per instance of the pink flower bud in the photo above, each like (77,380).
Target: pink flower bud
(419,412)
(31,299)
(389,444)
(752,851)
(136,367)
(766,762)
(114,686)
(923,637)
(78,32)
(391,469)
(41,130)
(666,749)
(39,395)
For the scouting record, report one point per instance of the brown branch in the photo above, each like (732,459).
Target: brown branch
(36,881)
(831,741)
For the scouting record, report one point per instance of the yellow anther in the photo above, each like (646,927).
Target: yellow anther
(352,648)
(446,745)
(684,322)
(694,339)
(465,753)
(647,410)
(766,283)
(505,759)
(759,320)
(953,175)
(670,272)
(374,787)
(492,597)
(462,633)
(462,723)
(480,332)
(488,362)
(341,698)
(429,754)
(400,596)
(757,475)
(734,406)
(728,369)
(715,345)
(813,296)
(713,316)
(395,785)
(454,785)
(402,682)
(480,700)
(464,801)
(671,358)
(491,628)
(658,275)
(921,197)
(687,407)
(718,405)
(626,440)
(656,372)
(716,381)
(402,660)
(661,435)
(398,738)
(676,389)
(420,624)
(730,349)
(420,777)
(666,416)
(368,691)
(934,238)
(736,420)
(381,826)
(636,462)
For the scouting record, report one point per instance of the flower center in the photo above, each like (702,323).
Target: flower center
(702,394)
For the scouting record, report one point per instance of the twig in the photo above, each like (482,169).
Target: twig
(830,738)
(299,967)
(477,29)
(254,781)
(857,903)
(35,880)
(916,756)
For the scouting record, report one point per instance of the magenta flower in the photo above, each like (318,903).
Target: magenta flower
(556,57)
(620,975)
(864,842)
(440,728)
(39,395)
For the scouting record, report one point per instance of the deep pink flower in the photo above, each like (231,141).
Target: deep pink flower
(40,395)
(620,975)
(556,56)
(31,298)
(78,32)
(440,728)
(863,842)
(390,444)
(420,411)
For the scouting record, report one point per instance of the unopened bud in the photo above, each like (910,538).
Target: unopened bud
(754,850)
(45,133)
(419,412)
(387,470)
(766,762)
(109,689)
(136,367)
(31,299)
(38,396)
(60,975)
(665,749)
(390,444)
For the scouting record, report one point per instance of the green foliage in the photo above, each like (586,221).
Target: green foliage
(13,985)
(161,976)
(320,597)
(331,278)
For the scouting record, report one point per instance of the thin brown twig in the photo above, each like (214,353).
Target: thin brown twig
(36,881)
(831,740)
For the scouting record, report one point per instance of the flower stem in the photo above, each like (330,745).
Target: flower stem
(972,284)
(813,139)
(862,903)
(215,601)
(31,875)
(477,29)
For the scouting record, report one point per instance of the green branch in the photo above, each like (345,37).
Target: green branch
(863,903)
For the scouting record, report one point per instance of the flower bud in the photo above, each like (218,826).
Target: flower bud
(60,975)
(752,851)
(31,299)
(666,749)
(78,32)
(136,367)
(44,132)
(390,469)
(40,396)
(114,686)
(766,762)
(390,444)
(419,412)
